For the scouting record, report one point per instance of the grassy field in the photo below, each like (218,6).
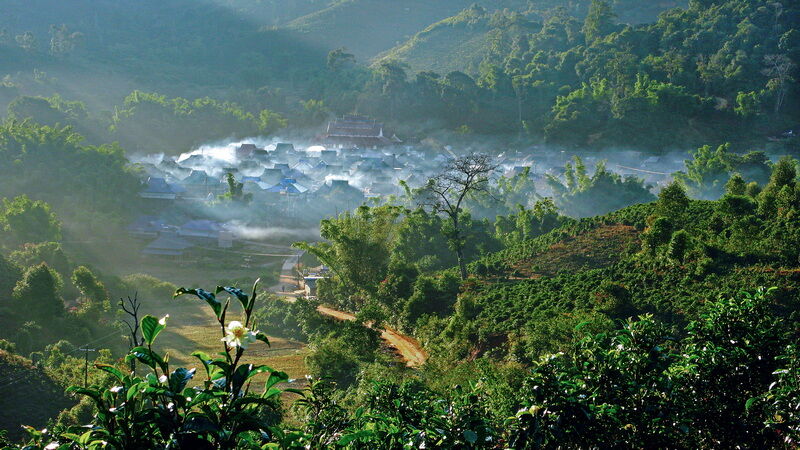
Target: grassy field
(191,325)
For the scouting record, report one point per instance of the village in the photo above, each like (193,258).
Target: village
(355,161)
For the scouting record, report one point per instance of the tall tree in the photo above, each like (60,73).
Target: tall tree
(37,294)
(446,192)
(779,70)
(599,22)
(29,221)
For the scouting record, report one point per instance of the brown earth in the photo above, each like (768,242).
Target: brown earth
(406,347)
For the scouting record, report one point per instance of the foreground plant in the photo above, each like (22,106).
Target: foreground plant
(160,410)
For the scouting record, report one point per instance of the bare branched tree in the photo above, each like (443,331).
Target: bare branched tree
(779,70)
(131,308)
(445,194)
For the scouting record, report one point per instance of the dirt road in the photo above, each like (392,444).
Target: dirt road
(407,348)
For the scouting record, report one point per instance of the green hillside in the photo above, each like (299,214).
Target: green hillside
(458,43)
(29,395)
(99,51)
(369,27)
(463,41)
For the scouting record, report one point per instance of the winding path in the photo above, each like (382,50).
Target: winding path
(288,288)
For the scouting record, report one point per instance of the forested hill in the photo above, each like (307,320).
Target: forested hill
(590,75)
(369,27)
(461,42)
(99,51)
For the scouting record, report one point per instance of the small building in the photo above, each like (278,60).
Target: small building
(246,151)
(158,188)
(271,177)
(310,284)
(203,229)
(328,155)
(288,186)
(200,184)
(168,244)
(284,148)
(261,155)
(337,196)
(146,227)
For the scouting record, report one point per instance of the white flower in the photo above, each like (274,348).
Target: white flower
(237,335)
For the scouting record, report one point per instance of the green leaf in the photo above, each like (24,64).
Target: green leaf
(263,338)
(255,294)
(470,436)
(348,438)
(271,392)
(151,327)
(208,297)
(275,378)
(236,292)
(749,403)
(204,359)
(93,394)
(259,369)
(252,400)
(179,378)
(148,357)
(240,376)
(111,369)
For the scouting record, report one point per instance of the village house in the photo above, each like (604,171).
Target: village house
(199,185)
(168,244)
(157,188)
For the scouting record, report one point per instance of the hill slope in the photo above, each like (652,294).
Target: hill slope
(178,47)
(369,27)
(29,396)
(462,41)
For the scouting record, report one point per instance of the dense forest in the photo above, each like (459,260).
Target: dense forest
(583,229)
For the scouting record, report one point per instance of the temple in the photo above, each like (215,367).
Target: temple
(357,131)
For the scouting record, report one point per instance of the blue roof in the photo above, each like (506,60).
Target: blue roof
(157,185)
(199,177)
(202,225)
(147,224)
(167,244)
(287,185)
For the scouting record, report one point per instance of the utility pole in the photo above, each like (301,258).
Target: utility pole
(86,365)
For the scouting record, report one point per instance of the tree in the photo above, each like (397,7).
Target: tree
(446,192)
(748,104)
(95,297)
(672,201)
(581,195)
(357,247)
(736,185)
(707,172)
(62,41)
(783,175)
(658,234)
(339,59)
(29,221)
(37,294)
(599,22)
(235,191)
(314,112)
(270,122)
(26,41)
(679,245)
(779,70)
